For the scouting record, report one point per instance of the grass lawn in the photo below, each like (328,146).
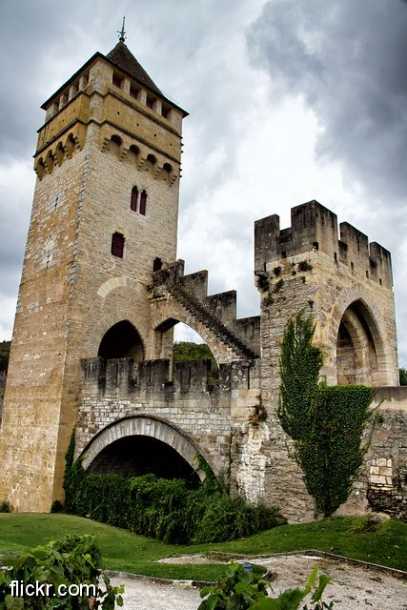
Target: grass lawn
(123,550)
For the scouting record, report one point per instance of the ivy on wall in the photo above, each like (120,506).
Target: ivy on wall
(327,423)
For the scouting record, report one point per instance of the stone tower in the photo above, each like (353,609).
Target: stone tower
(104,214)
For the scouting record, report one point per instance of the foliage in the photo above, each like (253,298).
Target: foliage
(326,423)
(227,518)
(162,508)
(4,354)
(5,507)
(238,590)
(72,476)
(57,507)
(168,509)
(186,350)
(300,363)
(403,376)
(74,560)
(332,452)
(246,589)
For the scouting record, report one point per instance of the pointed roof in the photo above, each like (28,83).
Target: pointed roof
(124,59)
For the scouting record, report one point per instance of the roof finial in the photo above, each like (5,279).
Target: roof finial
(122,32)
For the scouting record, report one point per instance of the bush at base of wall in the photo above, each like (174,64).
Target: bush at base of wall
(168,509)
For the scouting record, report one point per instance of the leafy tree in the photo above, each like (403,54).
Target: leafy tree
(300,363)
(403,376)
(326,423)
(4,354)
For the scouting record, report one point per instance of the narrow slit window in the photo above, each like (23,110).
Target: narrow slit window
(118,245)
(134,199)
(135,91)
(143,203)
(118,80)
(151,101)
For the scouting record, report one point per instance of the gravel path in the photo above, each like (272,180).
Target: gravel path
(353,587)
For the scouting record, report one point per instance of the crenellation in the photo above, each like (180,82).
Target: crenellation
(223,306)
(196,284)
(314,229)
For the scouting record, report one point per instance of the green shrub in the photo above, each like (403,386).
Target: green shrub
(238,590)
(166,509)
(5,507)
(57,507)
(246,589)
(226,518)
(74,560)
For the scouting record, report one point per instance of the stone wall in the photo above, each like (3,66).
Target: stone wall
(214,411)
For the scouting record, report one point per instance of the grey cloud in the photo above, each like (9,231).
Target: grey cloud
(347,59)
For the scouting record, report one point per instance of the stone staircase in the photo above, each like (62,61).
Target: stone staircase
(202,313)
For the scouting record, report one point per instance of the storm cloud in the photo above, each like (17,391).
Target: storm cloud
(347,60)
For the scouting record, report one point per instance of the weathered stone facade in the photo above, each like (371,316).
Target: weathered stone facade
(92,341)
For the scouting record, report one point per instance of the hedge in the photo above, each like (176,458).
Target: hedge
(166,509)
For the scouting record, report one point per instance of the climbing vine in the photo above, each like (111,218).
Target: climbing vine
(327,423)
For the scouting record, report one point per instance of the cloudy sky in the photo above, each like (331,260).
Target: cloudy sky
(290,100)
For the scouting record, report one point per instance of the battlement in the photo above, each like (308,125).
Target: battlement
(314,228)
(125,377)
(218,311)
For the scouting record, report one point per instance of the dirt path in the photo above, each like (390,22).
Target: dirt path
(352,587)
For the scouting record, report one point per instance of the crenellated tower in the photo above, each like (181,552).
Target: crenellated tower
(104,214)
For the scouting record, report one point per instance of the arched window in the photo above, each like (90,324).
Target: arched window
(143,203)
(134,199)
(152,159)
(167,168)
(118,245)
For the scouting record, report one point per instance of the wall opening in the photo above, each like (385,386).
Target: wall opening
(358,348)
(117,247)
(140,455)
(178,342)
(122,341)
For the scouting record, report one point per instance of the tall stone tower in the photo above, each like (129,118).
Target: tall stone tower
(104,214)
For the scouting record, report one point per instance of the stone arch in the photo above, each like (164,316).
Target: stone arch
(360,347)
(145,426)
(122,340)
(220,351)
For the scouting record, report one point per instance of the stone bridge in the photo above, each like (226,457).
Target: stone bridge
(196,412)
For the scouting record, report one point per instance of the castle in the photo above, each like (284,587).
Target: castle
(101,292)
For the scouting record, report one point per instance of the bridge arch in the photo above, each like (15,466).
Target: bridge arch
(161,434)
